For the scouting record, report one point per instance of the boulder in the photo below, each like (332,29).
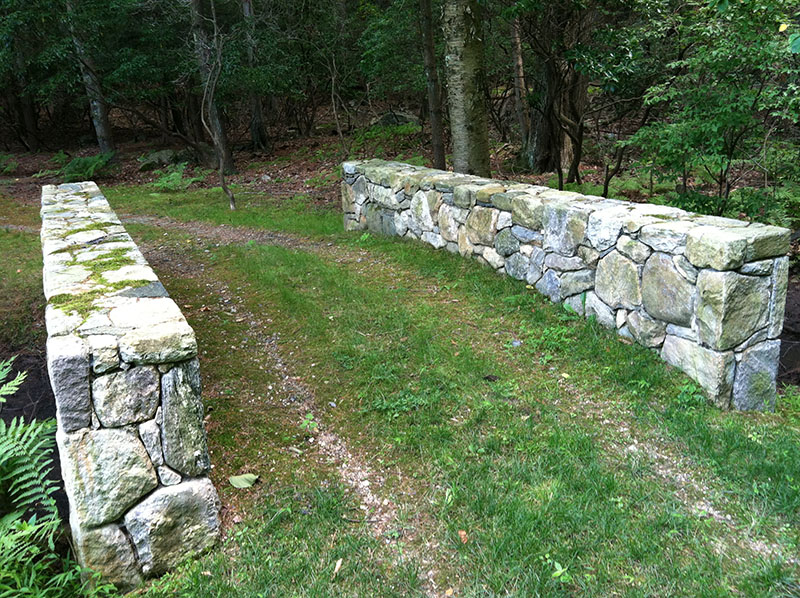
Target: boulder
(505,243)
(730,307)
(183,436)
(482,225)
(711,369)
(174,523)
(126,397)
(666,294)
(756,371)
(617,281)
(717,248)
(105,472)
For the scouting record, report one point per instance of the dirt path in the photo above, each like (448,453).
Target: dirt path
(378,510)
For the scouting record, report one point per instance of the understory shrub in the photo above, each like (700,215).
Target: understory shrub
(86,168)
(172,179)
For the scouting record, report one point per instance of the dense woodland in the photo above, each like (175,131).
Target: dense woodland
(699,98)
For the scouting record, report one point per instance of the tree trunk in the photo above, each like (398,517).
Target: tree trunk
(434,91)
(98,108)
(520,87)
(208,74)
(546,138)
(465,80)
(27,107)
(258,133)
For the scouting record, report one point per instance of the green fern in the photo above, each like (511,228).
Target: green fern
(29,522)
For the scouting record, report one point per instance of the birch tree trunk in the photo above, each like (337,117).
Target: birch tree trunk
(469,125)
(434,90)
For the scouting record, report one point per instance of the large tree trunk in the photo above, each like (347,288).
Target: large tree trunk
(206,64)
(98,108)
(434,91)
(469,125)
(258,133)
(545,136)
(27,107)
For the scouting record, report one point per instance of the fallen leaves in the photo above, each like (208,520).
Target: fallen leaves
(246,480)
(463,535)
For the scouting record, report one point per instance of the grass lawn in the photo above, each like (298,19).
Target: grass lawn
(527,452)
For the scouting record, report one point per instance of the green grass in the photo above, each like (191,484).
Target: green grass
(292,551)
(519,448)
(405,346)
(295,215)
(21,298)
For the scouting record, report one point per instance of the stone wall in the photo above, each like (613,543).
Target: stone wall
(123,365)
(707,293)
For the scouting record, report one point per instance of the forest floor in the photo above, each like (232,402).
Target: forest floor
(421,426)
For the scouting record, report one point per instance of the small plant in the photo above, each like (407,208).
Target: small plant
(8,165)
(60,159)
(172,179)
(309,424)
(29,522)
(86,168)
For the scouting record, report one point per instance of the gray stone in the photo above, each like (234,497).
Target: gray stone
(777,300)
(482,225)
(59,322)
(464,195)
(730,307)
(174,523)
(153,289)
(168,477)
(630,248)
(666,294)
(517,266)
(682,332)
(528,211)
(503,220)
(712,370)
(646,330)
(711,247)
(105,353)
(765,241)
(144,313)
(594,306)
(348,198)
(434,239)
(183,437)
(564,227)
(485,194)
(756,371)
(621,317)
(150,433)
(126,397)
(536,265)
(448,224)
(526,235)
(506,243)
(106,550)
(559,262)
(105,472)
(617,281)
(589,256)
(465,248)
(549,285)
(170,341)
(422,207)
(158,159)
(68,368)
(494,259)
(760,268)
(685,268)
(576,282)
(604,226)
(576,303)
(668,237)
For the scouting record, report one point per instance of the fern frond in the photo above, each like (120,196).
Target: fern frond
(9,388)
(25,459)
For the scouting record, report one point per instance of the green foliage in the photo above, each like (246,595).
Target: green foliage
(29,522)
(172,179)
(85,168)
(8,165)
